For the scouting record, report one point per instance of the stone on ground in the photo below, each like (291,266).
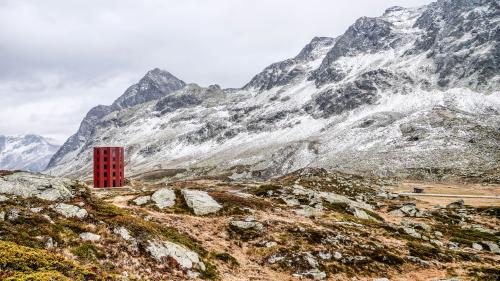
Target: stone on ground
(141,200)
(200,202)
(164,198)
(37,185)
(70,211)
(89,236)
(186,258)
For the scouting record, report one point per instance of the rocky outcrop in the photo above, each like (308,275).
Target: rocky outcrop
(200,202)
(141,200)
(26,152)
(163,198)
(184,257)
(37,185)
(69,211)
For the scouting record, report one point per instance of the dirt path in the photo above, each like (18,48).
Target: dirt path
(472,194)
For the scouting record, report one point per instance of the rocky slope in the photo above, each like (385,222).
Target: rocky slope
(25,152)
(412,92)
(311,224)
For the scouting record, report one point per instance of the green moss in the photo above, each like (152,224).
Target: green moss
(20,261)
(244,234)
(25,230)
(68,225)
(385,257)
(374,215)
(336,207)
(264,189)
(488,211)
(210,272)
(427,252)
(39,276)
(227,258)
(88,252)
(181,207)
(485,273)
(102,209)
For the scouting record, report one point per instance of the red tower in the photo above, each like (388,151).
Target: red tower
(108,166)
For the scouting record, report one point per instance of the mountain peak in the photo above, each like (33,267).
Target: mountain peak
(156,84)
(25,152)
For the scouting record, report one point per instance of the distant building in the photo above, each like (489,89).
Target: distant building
(418,190)
(108,166)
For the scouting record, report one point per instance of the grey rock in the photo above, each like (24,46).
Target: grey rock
(477,246)
(324,255)
(457,204)
(164,198)
(69,211)
(492,246)
(412,232)
(436,242)
(89,236)
(37,185)
(275,258)
(418,260)
(200,202)
(247,224)
(141,200)
(337,255)
(185,258)
(310,211)
(123,233)
(36,210)
(13,214)
(314,274)
(408,210)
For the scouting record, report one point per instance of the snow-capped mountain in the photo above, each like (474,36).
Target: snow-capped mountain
(415,90)
(26,152)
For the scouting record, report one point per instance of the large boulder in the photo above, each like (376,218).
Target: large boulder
(185,258)
(200,202)
(37,185)
(70,211)
(336,198)
(164,198)
(141,200)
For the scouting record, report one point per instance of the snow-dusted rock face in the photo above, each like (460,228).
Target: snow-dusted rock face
(37,185)
(70,211)
(200,202)
(407,92)
(163,198)
(186,258)
(25,152)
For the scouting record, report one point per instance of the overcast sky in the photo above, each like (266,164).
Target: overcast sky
(59,58)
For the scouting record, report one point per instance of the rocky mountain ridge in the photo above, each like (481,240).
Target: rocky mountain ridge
(26,152)
(412,92)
